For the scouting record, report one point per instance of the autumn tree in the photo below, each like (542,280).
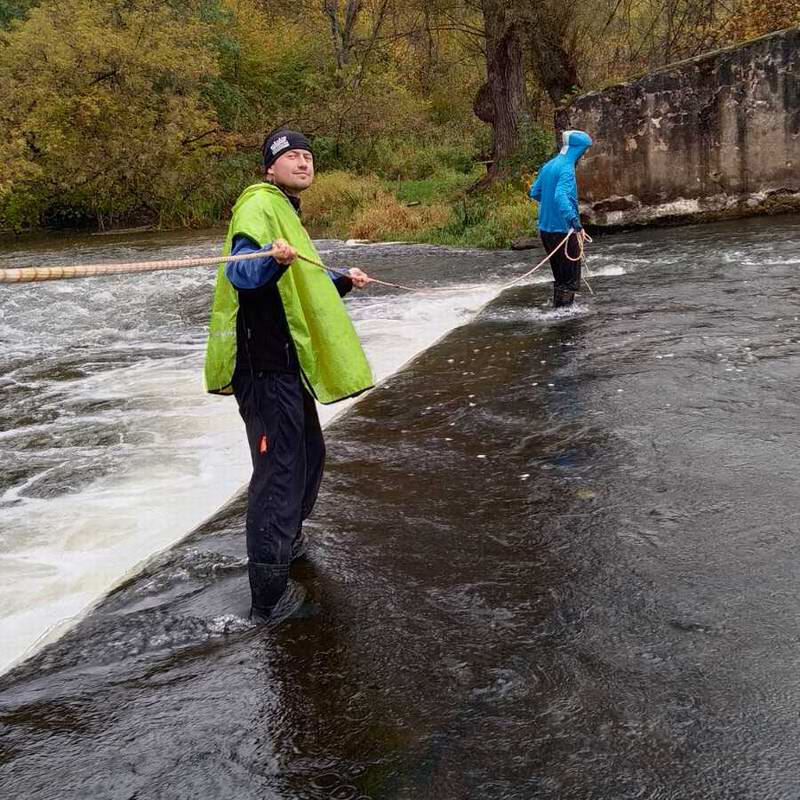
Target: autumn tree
(101,109)
(752,18)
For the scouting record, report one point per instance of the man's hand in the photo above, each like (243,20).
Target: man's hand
(283,252)
(360,279)
(583,236)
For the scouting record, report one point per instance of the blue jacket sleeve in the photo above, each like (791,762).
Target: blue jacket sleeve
(566,197)
(253,273)
(535,192)
(342,283)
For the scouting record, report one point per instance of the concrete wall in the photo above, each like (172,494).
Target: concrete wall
(714,137)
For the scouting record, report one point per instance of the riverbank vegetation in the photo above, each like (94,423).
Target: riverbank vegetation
(428,118)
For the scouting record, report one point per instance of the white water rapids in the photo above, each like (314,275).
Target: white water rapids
(119,452)
(110,449)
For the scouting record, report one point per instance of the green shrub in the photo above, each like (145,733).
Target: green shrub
(22,210)
(491,219)
(442,186)
(393,159)
(334,199)
(535,147)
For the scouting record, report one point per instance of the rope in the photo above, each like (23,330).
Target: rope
(370,279)
(581,257)
(41,274)
(581,240)
(588,285)
(346,273)
(540,264)
(38,274)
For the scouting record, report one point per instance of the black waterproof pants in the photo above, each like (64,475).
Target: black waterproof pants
(288,454)
(566,273)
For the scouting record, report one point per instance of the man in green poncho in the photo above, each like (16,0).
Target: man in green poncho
(279,338)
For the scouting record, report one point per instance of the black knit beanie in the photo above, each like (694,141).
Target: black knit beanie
(280,142)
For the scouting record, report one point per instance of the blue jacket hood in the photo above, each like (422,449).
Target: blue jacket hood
(556,189)
(575,144)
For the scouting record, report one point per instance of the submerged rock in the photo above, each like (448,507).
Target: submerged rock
(525,243)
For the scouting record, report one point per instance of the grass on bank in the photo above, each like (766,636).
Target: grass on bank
(390,191)
(436,209)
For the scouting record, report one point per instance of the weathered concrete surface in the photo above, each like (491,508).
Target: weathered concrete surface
(713,137)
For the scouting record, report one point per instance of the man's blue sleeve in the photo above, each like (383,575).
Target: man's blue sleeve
(255,272)
(343,283)
(567,199)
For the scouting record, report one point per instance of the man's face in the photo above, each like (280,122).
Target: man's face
(294,171)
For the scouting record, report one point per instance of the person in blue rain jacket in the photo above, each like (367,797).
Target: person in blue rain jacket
(556,192)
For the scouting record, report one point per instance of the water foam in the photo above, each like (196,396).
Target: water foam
(181,453)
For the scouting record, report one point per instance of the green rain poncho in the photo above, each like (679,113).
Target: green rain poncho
(332,363)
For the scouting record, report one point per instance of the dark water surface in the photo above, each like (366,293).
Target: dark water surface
(555,557)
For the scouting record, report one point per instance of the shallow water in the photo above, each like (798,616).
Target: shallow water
(554,558)
(110,449)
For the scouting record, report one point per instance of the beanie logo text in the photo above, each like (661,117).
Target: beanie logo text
(279,144)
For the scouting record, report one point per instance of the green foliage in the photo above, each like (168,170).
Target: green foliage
(399,158)
(347,205)
(210,200)
(360,111)
(19,208)
(102,109)
(442,186)
(331,204)
(491,219)
(124,111)
(264,74)
(13,10)
(536,145)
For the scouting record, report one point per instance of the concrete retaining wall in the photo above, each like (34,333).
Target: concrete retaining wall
(714,137)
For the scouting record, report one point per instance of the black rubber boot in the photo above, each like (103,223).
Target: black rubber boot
(562,297)
(274,595)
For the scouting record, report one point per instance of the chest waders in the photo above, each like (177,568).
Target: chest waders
(286,443)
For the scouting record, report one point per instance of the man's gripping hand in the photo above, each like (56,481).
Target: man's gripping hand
(283,252)
(360,279)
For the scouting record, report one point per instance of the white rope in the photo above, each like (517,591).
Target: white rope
(41,274)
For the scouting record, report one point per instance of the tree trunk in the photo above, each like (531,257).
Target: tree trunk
(547,27)
(502,102)
(342,29)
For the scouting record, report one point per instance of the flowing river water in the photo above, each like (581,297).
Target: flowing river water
(554,554)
